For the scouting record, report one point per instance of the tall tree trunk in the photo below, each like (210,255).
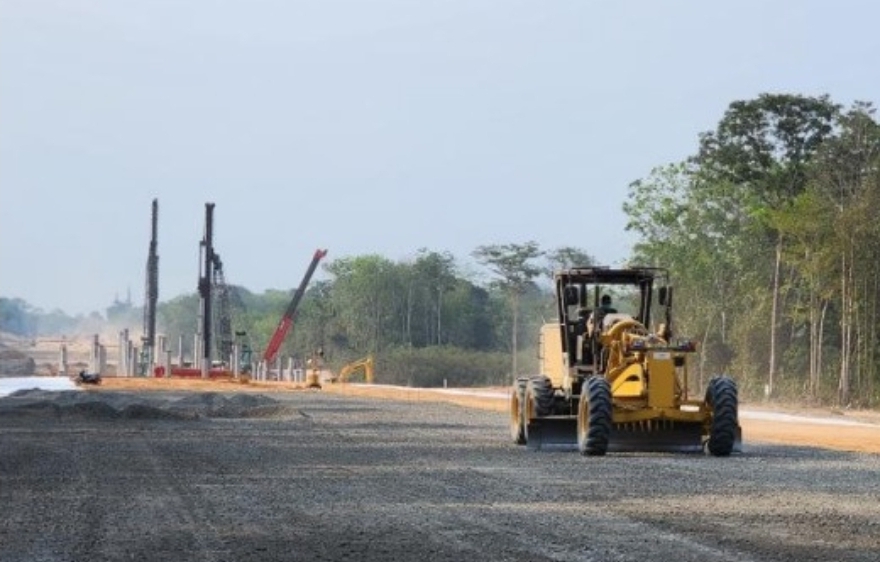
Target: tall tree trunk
(513,339)
(860,342)
(813,384)
(439,309)
(872,337)
(819,354)
(407,324)
(774,310)
(702,365)
(846,309)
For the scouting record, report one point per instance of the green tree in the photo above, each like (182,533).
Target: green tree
(367,306)
(470,317)
(514,265)
(435,274)
(566,257)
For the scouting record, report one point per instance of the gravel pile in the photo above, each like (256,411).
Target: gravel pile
(121,405)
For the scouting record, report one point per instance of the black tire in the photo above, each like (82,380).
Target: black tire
(517,401)
(539,397)
(594,417)
(538,401)
(721,396)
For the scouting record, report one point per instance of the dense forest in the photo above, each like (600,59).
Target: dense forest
(769,230)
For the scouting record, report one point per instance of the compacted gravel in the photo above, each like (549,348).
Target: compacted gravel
(316,476)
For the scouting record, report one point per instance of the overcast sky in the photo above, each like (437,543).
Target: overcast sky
(366,126)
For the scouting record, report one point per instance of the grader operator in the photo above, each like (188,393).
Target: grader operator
(613,375)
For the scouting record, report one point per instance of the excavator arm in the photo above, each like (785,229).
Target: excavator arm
(365,364)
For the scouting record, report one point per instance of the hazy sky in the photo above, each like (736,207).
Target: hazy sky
(366,126)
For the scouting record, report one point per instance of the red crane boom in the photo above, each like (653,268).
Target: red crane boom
(290,313)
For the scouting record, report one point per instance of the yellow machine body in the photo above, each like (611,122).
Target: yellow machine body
(366,365)
(645,383)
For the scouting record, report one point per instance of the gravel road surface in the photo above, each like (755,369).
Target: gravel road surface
(317,476)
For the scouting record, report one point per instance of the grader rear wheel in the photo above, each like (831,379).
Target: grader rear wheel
(516,403)
(721,395)
(594,417)
(538,401)
(539,397)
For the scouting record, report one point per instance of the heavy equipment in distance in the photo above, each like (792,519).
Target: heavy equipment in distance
(289,315)
(365,364)
(614,380)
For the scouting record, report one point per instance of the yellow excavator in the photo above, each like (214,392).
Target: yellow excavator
(365,365)
(614,377)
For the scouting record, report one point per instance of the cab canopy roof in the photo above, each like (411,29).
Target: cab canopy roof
(607,275)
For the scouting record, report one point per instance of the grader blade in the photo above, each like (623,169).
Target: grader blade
(657,438)
(553,432)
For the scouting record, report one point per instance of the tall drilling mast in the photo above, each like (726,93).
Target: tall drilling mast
(152,295)
(206,278)
(223,338)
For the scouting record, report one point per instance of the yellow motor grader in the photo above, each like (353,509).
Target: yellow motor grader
(614,376)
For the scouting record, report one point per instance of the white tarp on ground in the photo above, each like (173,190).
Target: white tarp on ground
(8,385)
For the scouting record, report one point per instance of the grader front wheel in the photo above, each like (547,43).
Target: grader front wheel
(594,417)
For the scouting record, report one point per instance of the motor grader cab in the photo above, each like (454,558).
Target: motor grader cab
(614,375)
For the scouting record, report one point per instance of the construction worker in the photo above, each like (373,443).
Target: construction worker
(605,305)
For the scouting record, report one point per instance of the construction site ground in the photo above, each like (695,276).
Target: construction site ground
(158,469)
(783,424)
